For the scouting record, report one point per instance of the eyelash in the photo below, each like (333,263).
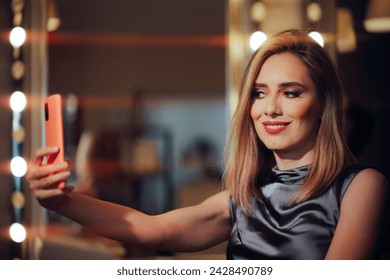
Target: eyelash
(292,94)
(289,94)
(256,94)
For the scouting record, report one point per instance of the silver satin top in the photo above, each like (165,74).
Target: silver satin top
(278,230)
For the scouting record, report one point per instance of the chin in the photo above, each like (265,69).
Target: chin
(274,146)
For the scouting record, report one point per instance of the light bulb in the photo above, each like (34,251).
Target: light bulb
(257,39)
(17,37)
(258,11)
(317,37)
(17,232)
(18,166)
(18,101)
(314,12)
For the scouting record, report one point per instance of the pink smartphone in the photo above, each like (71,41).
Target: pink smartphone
(54,129)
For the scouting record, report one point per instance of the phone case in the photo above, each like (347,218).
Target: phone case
(54,129)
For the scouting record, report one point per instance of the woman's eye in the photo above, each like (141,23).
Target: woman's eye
(292,94)
(258,94)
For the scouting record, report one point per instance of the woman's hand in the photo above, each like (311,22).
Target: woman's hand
(43,178)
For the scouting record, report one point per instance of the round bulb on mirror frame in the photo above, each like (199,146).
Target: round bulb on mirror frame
(18,199)
(18,101)
(256,40)
(258,11)
(16,52)
(317,37)
(314,12)
(18,18)
(18,166)
(17,36)
(17,232)
(17,70)
(19,134)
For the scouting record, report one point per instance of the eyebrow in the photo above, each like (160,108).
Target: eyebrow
(281,85)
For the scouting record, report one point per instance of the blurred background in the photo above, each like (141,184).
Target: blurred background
(148,91)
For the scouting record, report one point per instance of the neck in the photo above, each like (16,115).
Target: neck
(286,161)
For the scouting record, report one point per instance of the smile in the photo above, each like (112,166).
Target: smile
(275,127)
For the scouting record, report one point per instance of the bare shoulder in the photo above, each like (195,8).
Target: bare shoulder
(362,209)
(369,185)
(370,179)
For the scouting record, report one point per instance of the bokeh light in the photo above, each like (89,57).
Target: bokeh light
(18,166)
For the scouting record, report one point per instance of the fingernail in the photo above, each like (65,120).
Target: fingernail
(53,149)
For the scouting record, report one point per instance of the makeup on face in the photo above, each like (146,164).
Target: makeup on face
(285,107)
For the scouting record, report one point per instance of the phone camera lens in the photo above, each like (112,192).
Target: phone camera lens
(46,112)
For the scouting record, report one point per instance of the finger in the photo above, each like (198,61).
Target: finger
(68,189)
(37,172)
(45,194)
(70,163)
(49,181)
(40,153)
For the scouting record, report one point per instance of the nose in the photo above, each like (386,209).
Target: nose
(273,107)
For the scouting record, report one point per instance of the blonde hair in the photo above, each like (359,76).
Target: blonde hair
(248,162)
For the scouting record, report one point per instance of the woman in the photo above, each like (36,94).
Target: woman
(292,191)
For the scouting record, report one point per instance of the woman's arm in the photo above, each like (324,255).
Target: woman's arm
(361,217)
(188,229)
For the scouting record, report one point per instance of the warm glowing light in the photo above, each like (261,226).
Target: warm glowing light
(317,37)
(18,200)
(53,24)
(377,25)
(17,232)
(18,134)
(378,16)
(257,39)
(314,12)
(258,11)
(17,37)
(18,166)
(18,101)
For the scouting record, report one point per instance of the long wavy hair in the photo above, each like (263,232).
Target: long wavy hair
(248,163)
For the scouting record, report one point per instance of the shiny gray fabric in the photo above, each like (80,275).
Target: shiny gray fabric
(277,230)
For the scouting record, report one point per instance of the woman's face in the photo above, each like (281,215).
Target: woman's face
(285,110)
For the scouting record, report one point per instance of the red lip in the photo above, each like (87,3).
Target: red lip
(275,127)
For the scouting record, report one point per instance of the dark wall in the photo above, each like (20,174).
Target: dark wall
(365,75)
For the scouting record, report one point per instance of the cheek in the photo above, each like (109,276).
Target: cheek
(308,119)
(255,111)
(308,111)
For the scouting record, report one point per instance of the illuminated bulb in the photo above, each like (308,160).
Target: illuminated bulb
(314,12)
(257,39)
(18,200)
(317,37)
(18,134)
(258,11)
(53,24)
(18,167)
(17,232)
(17,37)
(18,101)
